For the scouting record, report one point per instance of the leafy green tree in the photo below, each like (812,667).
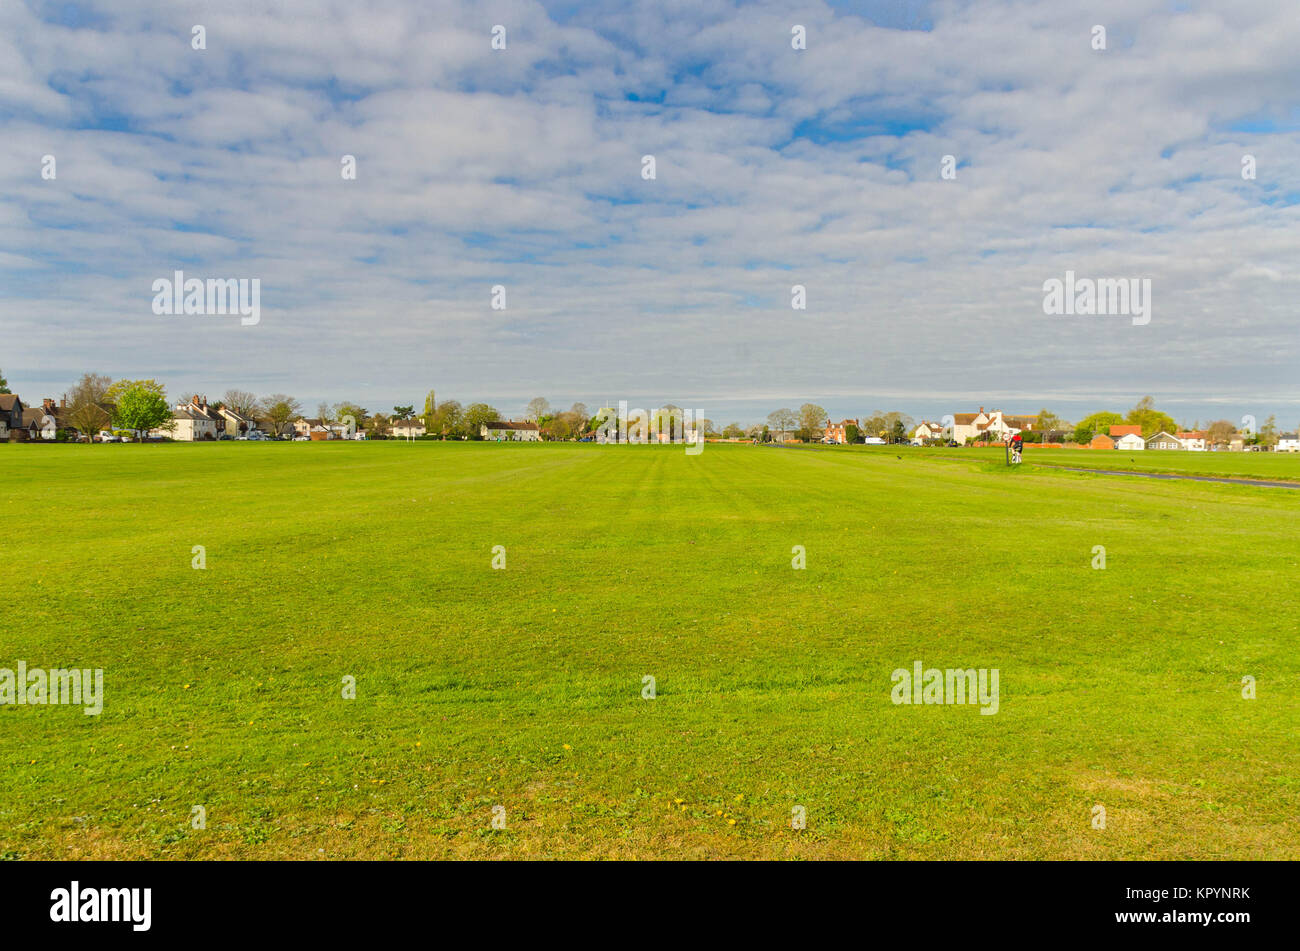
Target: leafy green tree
(358,414)
(1090,426)
(733,431)
(446,419)
(4,384)
(430,409)
(403,412)
(1151,420)
(851,433)
(476,414)
(140,405)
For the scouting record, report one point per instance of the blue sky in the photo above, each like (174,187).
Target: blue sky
(523,167)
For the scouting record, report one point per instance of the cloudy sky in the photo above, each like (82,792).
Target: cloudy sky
(774,166)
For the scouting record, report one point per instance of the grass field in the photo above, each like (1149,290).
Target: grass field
(522,687)
(1282,466)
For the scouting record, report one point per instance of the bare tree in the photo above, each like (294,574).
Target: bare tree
(782,420)
(537,408)
(86,412)
(277,409)
(240,401)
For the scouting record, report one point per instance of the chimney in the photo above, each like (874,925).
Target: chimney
(63,403)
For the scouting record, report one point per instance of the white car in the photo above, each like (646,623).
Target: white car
(106,436)
(874,441)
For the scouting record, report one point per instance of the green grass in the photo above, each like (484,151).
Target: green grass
(522,687)
(1279,466)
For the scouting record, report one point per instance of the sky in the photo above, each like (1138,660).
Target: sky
(774,166)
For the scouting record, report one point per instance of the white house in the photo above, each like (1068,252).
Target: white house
(407,428)
(1194,441)
(1288,442)
(994,425)
(194,422)
(503,430)
(927,430)
(1128,437)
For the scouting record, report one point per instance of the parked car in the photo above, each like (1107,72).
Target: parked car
(105,436)
(301,439)
(874,441)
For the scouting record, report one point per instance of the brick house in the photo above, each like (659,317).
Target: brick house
(835,432)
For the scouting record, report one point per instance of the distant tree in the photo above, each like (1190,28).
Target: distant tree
(240,401)
(1268,432)
(4,384)
(733,431)
(579,410)
(348,410)
(1090,426)
(1048,421)
(898,433)
(1219,432)
(403,412)
(476,414)
(430,409)
(812,421)
(86,413)
(710,428)
(1151,420)
(783,420)
(537,408)
(446,419)
(277,410)
(140,405)
(851,433)
(376,426)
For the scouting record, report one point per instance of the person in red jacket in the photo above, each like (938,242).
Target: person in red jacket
(1016,445)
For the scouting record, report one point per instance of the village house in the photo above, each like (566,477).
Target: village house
(835,432)
(1164,440)
(504,430)
(11,417)
(407,428)
(302,426)
(994,426)
(1288,442)
(234,424)
(1101,441)
(1128,437)
(927,430)
(1194,441)
(194,421)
